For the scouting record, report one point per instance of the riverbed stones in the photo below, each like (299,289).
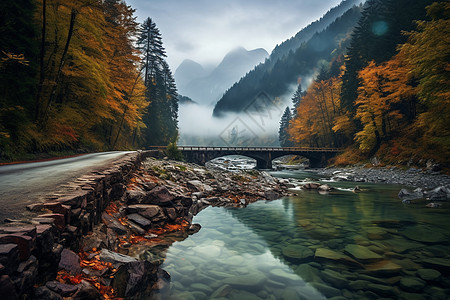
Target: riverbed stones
(254,279)
(429,274)
(441,264)
(308,273)
(425,235)
(335,278)
(330,255)
(362,254)
(384,267)
(326,290)
(412,284)
(282,275)
(297,253)
(381,289)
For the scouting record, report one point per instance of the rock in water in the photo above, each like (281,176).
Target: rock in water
(405,195)
(297,253)
(426,235)
(362,254)
(253,280)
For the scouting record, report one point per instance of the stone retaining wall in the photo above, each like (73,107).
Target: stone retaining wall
(30,251)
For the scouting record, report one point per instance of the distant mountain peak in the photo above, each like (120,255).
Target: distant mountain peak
(206,89)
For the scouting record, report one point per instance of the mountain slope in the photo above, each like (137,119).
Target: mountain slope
(207,89)
(186,72)
(275,81)
(305,34)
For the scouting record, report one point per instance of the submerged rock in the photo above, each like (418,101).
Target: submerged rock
(327,254)
(297,253)
(426,235)
(254,279)
(429,274)
(362,254)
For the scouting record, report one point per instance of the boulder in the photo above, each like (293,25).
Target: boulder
(132,277)
(114,224)
(65,290)
(199,186)
(171,213)
(70,261)
(86,291)
(271,195)
(145,210)
(325,188)
(43,293)
(9,257)
(24,243)
(140,220)
(441,193)
(116,259)
(159,196)
(134,196)
(405,195)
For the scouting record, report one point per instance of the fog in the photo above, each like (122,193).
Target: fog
(256,125)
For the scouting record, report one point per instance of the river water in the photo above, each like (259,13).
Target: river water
(340,245)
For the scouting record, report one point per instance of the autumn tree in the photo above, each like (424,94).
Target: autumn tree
(427,53)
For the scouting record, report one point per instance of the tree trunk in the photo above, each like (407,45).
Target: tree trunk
(41,60)
(73,15)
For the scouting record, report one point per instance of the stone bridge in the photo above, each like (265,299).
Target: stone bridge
(263,155)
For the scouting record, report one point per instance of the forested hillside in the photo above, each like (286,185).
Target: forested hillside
(275,80)
(391,97)
(73,78)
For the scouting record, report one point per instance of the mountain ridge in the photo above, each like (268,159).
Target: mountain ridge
(206,88)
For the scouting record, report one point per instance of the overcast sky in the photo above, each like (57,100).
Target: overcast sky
(205,30)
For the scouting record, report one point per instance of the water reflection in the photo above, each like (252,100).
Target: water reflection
(343,244)
(228,259)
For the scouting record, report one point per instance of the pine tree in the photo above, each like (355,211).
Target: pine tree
(283,134)
(162,114)
(298,95)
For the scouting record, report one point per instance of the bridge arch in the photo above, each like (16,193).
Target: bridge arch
(263,155)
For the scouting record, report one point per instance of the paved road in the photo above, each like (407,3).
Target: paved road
(26,183)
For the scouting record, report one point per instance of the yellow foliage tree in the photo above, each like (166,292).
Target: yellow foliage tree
(427,53)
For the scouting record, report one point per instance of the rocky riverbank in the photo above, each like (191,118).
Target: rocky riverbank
(117,259)
(414,178)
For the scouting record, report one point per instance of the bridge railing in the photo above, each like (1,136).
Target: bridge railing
(242,149)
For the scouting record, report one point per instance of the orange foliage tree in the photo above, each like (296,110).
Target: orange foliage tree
(91,90)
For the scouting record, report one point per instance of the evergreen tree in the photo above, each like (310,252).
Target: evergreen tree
(298,95)
(379,31)
(162,114)
(283,134)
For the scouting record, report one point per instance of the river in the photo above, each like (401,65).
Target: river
(340,245)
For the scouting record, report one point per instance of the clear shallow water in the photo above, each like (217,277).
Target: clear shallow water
(354,245)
